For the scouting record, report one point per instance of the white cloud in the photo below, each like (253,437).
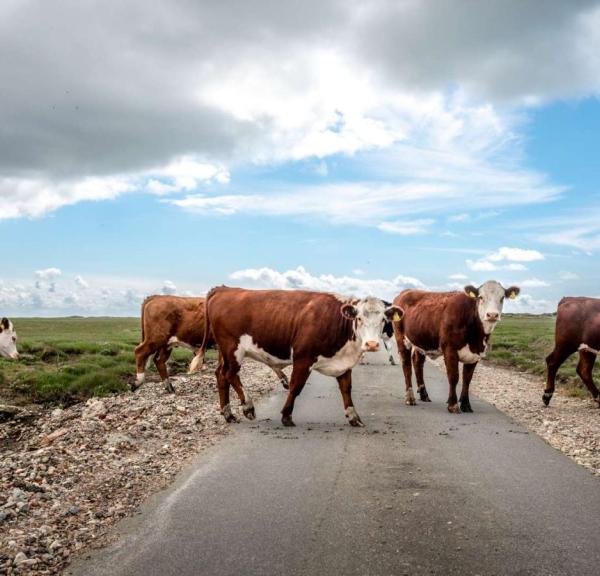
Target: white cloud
(169,288)
(505,258)
(464,217)
(526,303)
(406,227)
(300,279)
(566,275)
(458,277)
(48,273)
(81,282)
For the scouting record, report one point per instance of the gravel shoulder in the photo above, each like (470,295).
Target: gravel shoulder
(67,475)
(571,425)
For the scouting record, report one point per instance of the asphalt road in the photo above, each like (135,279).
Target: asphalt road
(418,491)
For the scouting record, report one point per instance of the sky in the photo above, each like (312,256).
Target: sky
(361,147)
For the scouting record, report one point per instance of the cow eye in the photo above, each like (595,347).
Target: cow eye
(14,338)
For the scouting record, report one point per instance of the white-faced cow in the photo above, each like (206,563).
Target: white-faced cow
(8,340)
(167,322)
(455,325)
(577,330)
(308,330)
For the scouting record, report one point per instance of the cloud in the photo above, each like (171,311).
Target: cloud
(458,277)
(102,108)
(48,274)
(533,283)
(300,279)
(169,288)
(81,282)
(406,227)
(505,258)
(526,303)
(565,275)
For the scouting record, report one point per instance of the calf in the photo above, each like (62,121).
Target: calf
(167,322)
(454,325)
(577,330)
(309,330)
(8,340)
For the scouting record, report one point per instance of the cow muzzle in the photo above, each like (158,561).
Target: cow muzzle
(492,316)
(371,346)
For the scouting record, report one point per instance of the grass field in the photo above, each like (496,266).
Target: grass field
(69,359)
(523,341)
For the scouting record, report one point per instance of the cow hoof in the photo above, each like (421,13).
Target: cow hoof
(356,422)
(285,383)
(465,406)
(392,361)
(353,417)
(134,386)
(287,421)
(453,409)
(169,387)
(423,394)
(248,410)
(547,397)
(229,415)
(596,402)
(409,400)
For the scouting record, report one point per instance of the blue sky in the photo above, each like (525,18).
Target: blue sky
(357,148)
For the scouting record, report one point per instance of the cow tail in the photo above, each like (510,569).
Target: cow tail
(142,315)
(198,360)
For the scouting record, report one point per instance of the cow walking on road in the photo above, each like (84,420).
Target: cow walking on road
(167,322)
(455,325)
(308,330)
(8,340)
(577,330)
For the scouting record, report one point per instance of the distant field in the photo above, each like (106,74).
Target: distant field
(70,359)
(524,341)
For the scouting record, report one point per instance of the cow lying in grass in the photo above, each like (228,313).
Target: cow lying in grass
(167,322)
(455,325)
(308,330)
(8,340)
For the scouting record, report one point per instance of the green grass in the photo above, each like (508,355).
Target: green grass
(65,360)
(523,341)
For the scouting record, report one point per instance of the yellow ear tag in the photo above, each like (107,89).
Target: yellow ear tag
(472,295)
(396,317)
(512,296)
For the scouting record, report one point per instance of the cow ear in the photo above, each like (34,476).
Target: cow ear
(349,311)
(512,292)
(394,313)
(471,291)
(4,324)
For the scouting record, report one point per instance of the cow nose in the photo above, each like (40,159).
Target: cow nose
(492,316)
(371,346)
(15,356)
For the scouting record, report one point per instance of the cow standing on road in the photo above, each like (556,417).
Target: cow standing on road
(577,329)
(167,322)
(8,340)
(309,330)
(454,325)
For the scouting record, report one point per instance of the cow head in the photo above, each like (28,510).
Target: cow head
(490,300)
(370,315)
(8,340)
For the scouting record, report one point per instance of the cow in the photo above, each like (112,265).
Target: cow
(455,325)
(167,322)
(387,335)
(577,330)
(8,340)
(308,330)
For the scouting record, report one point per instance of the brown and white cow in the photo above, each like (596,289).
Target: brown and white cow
(167,322)
(455,325)
(577,330)
(8,340)
(308,330)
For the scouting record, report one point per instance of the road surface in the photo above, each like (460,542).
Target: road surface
(418,491)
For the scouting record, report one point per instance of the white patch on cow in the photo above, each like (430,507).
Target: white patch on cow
(173,342)
(140,377)
(343,360)
(586,348)
(433,354)
(466,356)
(247,347)
(8,342)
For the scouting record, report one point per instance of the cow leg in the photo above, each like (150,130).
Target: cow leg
(553,363)
(584,369)
(160,361)
(418,361)
(409,397)
(451,361)
(300,373)
(245,400)
(143,351)
(467,376)
(387,345)
(223,386)
(283,379)
(345,384)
